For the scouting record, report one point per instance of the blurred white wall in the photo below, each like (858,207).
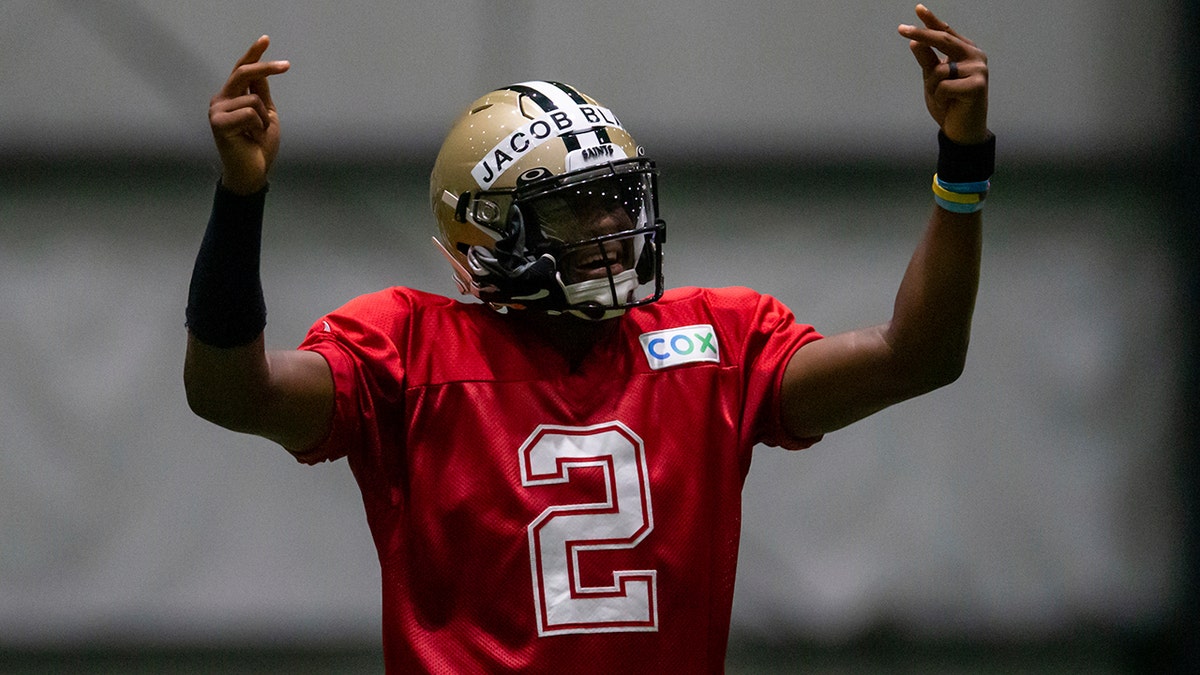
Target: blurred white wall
(1073,79)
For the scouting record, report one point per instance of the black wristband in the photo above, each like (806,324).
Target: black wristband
(965,163)
(225,300)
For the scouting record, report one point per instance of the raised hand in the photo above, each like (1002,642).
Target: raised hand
(245,124)
(956,87)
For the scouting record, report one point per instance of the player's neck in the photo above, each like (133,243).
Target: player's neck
(572,337)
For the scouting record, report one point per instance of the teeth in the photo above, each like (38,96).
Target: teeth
(596,259)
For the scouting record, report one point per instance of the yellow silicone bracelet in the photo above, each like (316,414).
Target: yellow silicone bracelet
(956,197)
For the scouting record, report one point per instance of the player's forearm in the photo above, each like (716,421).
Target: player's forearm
(931,323)
(225,305)
(225,369)
(229,377)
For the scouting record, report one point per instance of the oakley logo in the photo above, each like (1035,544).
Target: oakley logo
(677,346)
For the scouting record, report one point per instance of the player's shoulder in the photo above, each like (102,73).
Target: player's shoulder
(735,308)
(722,297)
(686,292)
(391,309)
(400,297)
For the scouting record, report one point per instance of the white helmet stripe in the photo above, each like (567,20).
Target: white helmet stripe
(550,93)
(555,96)
(563,117)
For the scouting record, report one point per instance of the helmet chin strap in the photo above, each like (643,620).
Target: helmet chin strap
(600,295)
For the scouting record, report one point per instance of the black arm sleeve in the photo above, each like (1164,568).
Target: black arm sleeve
(225,300)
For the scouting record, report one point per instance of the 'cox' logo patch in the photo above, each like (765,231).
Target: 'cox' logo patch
(677,346)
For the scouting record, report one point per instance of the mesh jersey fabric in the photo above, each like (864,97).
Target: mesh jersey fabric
(531,516)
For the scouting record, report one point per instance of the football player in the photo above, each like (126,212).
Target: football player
(552,472)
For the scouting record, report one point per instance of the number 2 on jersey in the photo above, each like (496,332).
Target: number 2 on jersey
(556,537)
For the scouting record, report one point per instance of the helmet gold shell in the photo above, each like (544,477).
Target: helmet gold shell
(522,179)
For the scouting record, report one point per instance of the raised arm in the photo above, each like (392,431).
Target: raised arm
(229,376)
(833,382)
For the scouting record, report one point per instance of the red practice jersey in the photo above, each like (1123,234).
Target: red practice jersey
(531,516)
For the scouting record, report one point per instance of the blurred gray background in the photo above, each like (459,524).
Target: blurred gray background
(1036,514)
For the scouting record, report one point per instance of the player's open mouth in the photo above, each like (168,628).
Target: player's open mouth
(595,266)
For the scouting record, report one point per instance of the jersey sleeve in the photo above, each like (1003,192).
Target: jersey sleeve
(360,342)
(773,337)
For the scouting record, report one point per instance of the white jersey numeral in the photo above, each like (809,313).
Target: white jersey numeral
(556,537)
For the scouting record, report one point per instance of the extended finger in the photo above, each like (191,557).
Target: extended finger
(932,22)
(255,51)
(938,34)
(245,75)
(930,19)
(946,43)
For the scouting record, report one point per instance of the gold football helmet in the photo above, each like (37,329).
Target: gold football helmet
(544,201)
